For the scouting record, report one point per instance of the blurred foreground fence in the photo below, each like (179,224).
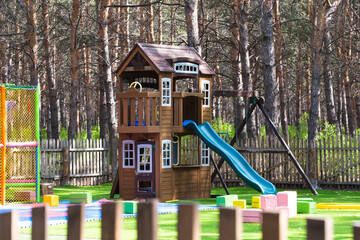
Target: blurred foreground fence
(75,162)
(337,157)
(274,227)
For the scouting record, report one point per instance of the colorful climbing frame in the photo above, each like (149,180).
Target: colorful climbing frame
(20,137)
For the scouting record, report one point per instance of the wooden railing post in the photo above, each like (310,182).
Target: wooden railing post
(111,224)
(320,229)
(356,230)
(188,222)
(230,224)
(275,225)
(39,223)
(65,165)
(76,222)
(147,220)
(8,228)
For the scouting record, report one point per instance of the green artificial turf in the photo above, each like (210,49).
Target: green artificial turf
(343,219)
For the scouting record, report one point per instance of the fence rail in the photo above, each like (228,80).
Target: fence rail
(337,157)
(75,162)
(274,227)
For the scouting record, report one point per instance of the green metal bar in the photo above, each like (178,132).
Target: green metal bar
(37,131)
(20,185)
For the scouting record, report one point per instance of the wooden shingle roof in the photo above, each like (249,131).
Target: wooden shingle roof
(162,57)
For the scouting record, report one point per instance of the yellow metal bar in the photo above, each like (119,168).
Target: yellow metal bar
(3,141)
(349,206)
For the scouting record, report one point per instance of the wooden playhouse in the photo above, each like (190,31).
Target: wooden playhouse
(159,87)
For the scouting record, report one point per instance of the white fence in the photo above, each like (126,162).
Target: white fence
(75,162)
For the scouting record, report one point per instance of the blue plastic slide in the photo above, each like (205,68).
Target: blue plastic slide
(231,156)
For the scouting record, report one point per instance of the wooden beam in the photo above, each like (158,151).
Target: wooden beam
(230,224)
(235,93)
(275,225)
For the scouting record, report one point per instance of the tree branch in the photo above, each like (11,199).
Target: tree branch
(144,5)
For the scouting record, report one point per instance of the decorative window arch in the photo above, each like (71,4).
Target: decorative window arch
(186,67)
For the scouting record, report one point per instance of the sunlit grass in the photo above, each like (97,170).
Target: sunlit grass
(209,220)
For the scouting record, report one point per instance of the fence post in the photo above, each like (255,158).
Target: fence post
(356,230)
(320,229)
(8,228)
(76,222)
(147,220)
(111,225)
(65,172)
(39,223)
(114,156)
(275,225)
(188,222)
(230,224)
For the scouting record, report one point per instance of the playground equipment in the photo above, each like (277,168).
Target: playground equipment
(20,136)
(160,87)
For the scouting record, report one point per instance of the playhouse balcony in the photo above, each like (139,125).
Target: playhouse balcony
(138,111)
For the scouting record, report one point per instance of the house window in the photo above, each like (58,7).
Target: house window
(205,154)
(128,154)
(205,88)
(166,92)
(144,156)
(186,67)
(166,153)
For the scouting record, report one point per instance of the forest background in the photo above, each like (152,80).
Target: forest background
(303,56)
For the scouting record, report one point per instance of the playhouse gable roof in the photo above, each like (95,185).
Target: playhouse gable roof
(162,57)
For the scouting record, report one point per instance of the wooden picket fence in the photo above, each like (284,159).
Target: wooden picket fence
(274,227)
(338,159)
(75,162)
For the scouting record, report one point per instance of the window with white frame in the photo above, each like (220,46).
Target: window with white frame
(186,67)
(166,153)
(128,154)
(144,158)
(205,154)
(166,92)
(205,88)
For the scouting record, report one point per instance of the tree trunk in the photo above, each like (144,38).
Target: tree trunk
(142,37)
(160,30)
(31,37)
(316,72)
(49,75)
(299,86)
(245,60)
(4,63)
(279,67)
(269,71)
(103,115)
(88,98)
(124,30)
(150,25)
(74,71)
(328,78)
(191,16)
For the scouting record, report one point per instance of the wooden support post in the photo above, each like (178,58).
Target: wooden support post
(188,222)
(216,169)
(233,140)
(230,224)
(290,154)
(320,229)
(275,225)
(76,222)
(147,220)
(66,163)
(8,228)
(111,225)
(39,223)
(356,230)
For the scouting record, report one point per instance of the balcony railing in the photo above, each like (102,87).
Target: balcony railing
(138,111)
